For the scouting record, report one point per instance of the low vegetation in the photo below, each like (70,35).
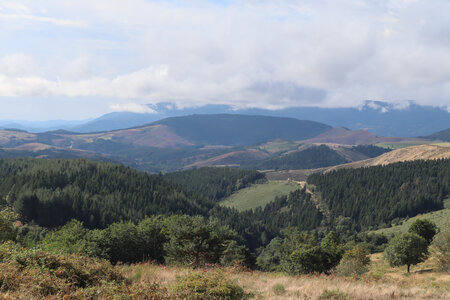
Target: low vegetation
(439,217)
(258,195)
(219,253)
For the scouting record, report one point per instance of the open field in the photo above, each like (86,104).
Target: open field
(382,282)
(259,194)
(440,217)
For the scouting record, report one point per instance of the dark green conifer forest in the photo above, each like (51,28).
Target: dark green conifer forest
(124,215)
(52,192)
(372,197)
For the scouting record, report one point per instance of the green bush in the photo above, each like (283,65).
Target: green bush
(207,285)
(441,249)
(354,262)
(333,294)
(7,229)
(278,289)
(36,274)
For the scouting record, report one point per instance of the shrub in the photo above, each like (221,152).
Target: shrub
(278,289)
(35,274)
(354,262)
(333,294)
(42,273)
(7,229)
(207,285)
(441,249)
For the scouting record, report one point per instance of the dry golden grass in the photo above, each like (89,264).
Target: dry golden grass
(382,282)
(425,152)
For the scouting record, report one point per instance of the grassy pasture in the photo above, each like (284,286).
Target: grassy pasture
(259,194)
(440,217)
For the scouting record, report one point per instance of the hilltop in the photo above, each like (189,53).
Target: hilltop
(443,135)
(426,152)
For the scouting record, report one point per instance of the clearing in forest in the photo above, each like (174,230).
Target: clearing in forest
(258,195)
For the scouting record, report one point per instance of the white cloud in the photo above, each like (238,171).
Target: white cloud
(132,107)
(245,53)
(17,64)
(54,21)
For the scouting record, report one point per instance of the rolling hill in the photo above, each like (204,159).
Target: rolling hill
(425,152)
(230,130)
(257,142)
(380,118)
(420,152)
(443,135)
(166,145)
(234,130)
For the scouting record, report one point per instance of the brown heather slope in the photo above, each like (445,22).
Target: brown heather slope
(20,137)
(428,151)
(231,158)
(153,136)
(345,136)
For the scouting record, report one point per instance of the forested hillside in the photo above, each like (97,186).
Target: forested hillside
(228,129)
(374,196)
(311,158)
(259,226)
(215,183)
(316,157)
(443,135)
(51,192)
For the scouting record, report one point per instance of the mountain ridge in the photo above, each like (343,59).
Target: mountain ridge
(381,118)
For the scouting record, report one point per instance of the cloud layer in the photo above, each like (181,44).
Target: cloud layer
(268,54)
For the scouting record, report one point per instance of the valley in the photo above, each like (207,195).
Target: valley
(253,212)
(224,150)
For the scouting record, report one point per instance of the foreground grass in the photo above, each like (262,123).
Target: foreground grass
(382,282)
(36,274)
(258,195)
(440,218)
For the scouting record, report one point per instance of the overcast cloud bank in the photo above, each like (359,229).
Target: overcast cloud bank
(261,54)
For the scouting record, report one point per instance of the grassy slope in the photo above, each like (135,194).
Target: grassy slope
(403,144)
(259,194)
(440,217)
(382,282)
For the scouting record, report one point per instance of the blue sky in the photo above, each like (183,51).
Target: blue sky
(64,59)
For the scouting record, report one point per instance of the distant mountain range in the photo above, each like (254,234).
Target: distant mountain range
(204,140)
(380,118)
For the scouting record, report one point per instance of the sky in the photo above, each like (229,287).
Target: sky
(77,59)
